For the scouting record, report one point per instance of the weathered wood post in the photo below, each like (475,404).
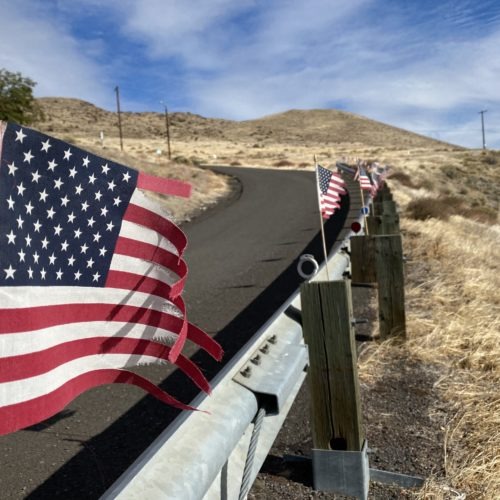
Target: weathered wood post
(340,462)
(333,373)
(390,279)
(379,259)
(373,223)
(385,218)
(363,269)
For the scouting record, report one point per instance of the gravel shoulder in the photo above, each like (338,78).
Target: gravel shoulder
(403,419)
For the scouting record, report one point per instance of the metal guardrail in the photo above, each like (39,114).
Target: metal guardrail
(202,454)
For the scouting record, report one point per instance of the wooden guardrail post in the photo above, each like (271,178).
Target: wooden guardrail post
(373,223)
(390,279)
(379,259)
(333,375)
(389,218)
(385,218)
(363,269)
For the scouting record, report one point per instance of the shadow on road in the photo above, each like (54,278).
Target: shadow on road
(106,456)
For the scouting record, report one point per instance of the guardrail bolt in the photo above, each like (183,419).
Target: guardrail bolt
(264,349)
(273,339)
(247,372)
(256,360)
(359,321)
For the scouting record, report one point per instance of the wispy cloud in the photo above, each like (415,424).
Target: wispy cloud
(425,66)
(40,46)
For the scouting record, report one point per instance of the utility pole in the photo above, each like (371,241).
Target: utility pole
(167,129)
(482,126)
(117,90)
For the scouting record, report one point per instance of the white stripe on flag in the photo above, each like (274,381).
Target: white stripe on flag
(141,267)
(18,391)
(140,199)
(15,344)
(145,235)
(18,296)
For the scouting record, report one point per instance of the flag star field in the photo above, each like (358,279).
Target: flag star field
(65,210)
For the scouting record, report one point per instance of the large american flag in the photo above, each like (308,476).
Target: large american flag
(330,187)
(91,275)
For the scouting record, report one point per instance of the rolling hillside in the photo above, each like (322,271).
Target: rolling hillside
(297,127)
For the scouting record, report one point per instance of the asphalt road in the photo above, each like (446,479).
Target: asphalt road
(242,259)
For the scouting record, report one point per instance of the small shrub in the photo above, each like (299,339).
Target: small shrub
(450,171)
(404,179)
(181,159)
(482,214)
(442,208)
(196,160)
(432,208)
(283,163)
(427,184)
(490,159)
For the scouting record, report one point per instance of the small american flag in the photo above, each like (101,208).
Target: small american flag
(364,180)
(91,275)
(330,187)
(379,174)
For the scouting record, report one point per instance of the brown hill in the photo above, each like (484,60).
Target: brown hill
(295,127)
(287,140)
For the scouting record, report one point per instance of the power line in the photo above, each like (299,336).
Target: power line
(117,90)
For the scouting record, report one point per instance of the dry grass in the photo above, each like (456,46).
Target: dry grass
(428,207)
(453,279)
(453,308)
(455,322)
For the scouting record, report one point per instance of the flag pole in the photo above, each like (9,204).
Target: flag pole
(363,203)
(321,225)
(364,215)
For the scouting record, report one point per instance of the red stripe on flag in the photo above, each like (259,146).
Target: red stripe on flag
(144,217)
(146,251)
(21,320)
(139,283)
(207,343)
(164,186)
(20,415)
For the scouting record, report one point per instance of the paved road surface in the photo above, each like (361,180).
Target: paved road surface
(242,257)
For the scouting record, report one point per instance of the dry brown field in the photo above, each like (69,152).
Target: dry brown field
(449,201)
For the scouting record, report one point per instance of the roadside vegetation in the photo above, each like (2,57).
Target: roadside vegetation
(16,98)
(452,242)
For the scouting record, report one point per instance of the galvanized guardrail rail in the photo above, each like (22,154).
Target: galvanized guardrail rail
(205,454)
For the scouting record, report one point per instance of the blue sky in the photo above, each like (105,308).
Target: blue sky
(422,65)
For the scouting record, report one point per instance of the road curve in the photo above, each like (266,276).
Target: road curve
(242,259)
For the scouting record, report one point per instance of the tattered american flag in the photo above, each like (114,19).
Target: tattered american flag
(378,175)
(91,275)
(330,187)
(363,179)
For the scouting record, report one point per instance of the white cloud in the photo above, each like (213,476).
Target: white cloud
(41,47)
(427,71)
